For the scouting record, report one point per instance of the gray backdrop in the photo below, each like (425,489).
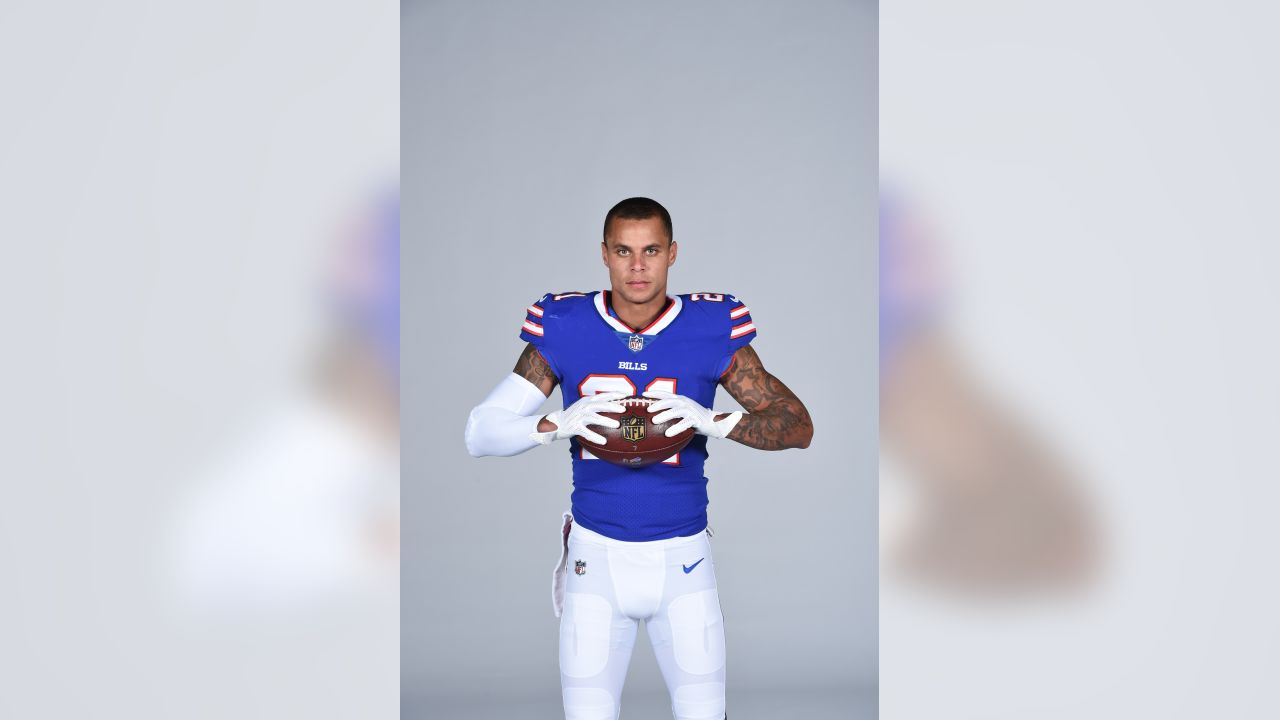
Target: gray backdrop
(755,124)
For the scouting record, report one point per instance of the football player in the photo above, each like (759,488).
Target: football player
(637,537)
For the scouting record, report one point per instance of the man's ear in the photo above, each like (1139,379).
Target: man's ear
(604,253)
(672,260)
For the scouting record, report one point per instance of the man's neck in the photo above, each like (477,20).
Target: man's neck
(638,316)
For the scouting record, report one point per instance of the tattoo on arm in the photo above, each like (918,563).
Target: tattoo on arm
(776,418)
(533,367)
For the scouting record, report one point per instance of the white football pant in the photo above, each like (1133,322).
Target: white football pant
(608,587)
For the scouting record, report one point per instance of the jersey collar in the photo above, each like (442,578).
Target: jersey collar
(655,327)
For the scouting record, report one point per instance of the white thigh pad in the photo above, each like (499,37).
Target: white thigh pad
(585,635)
(702,701)
(589,704)
(697,632)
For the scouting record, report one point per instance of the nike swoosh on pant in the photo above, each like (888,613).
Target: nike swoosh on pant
(689,568)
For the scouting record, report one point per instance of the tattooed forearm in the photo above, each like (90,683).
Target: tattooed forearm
(776,418)
(533,367)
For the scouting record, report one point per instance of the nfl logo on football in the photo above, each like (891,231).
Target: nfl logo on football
(632,428)
(580,567)
(635,343)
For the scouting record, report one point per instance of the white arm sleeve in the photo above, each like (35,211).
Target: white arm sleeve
(503,423)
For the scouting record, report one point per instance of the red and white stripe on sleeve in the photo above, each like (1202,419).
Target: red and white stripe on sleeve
(534,328)
(741,327)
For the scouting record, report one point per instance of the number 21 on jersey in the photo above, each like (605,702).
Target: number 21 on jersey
(621,383)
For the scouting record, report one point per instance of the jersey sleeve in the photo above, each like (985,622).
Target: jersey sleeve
(534,331)
(739,330)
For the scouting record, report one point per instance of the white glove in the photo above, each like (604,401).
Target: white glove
(691,414)
(574,419)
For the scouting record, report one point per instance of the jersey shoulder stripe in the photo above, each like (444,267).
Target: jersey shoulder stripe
(740,320)
(742,329)
(533,329)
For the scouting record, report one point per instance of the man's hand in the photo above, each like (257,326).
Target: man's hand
(692,415)
(576,419)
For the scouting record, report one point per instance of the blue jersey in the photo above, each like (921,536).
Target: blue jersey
(686,350)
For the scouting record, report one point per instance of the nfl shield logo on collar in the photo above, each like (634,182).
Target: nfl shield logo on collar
(580,567)
(636,342)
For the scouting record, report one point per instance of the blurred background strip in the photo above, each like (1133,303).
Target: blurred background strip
(200,506)
(1078,386)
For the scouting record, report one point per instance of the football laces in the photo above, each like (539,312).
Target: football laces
(636,401)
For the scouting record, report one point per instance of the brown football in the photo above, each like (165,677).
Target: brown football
(637,441)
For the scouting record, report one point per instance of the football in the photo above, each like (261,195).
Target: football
(637,441)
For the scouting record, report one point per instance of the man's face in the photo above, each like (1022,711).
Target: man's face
(638,254)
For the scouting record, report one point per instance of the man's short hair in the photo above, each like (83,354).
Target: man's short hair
(638,208)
